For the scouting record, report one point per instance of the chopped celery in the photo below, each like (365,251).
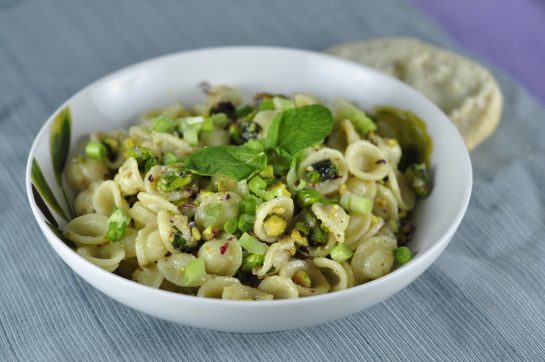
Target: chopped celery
(230,226)
(257,184)
(341,253)
(169,158)
(219,120)
(246,222)
(252,245)
(308,197)
(96,150)
(346,110)
(117,224)
(252,261)
(355,203)
(194,271)
(163,124)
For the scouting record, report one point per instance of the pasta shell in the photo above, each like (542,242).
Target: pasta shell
(366,161)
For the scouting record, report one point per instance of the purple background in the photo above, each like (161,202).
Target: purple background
(507,33)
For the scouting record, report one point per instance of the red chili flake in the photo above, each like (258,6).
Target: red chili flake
(378,162)
(215,233)
(150,178)
(223,248)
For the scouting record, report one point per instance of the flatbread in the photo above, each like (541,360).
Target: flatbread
(466,91)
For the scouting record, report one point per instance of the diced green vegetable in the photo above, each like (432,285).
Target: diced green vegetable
(179,242)
(246,222)
(219,120)
(252,245)
(341,253)
(150,163)
(194,271)
(317,236)
(170,158)
(402,255)
(163,124)
(355,203)
(268,172)
(144,156)
(243,110)
(307,197)
(173,179)
(117,224)
(230,226)
(274,191)
(418,179)
(257,184)
(96,150)
(252,261)
(346,110)
(248,204)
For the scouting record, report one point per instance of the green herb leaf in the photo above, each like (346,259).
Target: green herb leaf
(296,129)
(238,162)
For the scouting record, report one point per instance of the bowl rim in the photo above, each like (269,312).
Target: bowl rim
(315,299)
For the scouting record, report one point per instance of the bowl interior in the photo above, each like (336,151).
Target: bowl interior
(116,100)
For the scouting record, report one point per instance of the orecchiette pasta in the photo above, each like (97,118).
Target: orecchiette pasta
(213,287)
(373,258)
(334,219)
(244,292)
(148,275)
(279,287)
(281,206)
(106,256)
(366,161)
(82,172)
(173,268)
(106,196)
(248,202)
(386,204)
(128,178)
(88,229)
(318,284)
(149,246)
(83,203)
(336,158)
(142,216)
(221,257)
(333,272)
(217,208)
(278,255)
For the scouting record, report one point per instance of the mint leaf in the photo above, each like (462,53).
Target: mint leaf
(296,129)
(238,162)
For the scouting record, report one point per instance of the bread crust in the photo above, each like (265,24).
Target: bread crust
(466,91)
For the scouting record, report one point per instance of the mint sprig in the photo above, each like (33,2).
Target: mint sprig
(238,162)
(289,133)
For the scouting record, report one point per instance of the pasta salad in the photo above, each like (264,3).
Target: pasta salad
(281,198)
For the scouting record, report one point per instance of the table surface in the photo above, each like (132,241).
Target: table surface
(481,300)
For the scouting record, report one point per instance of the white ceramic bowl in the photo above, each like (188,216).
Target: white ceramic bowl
(115,100)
